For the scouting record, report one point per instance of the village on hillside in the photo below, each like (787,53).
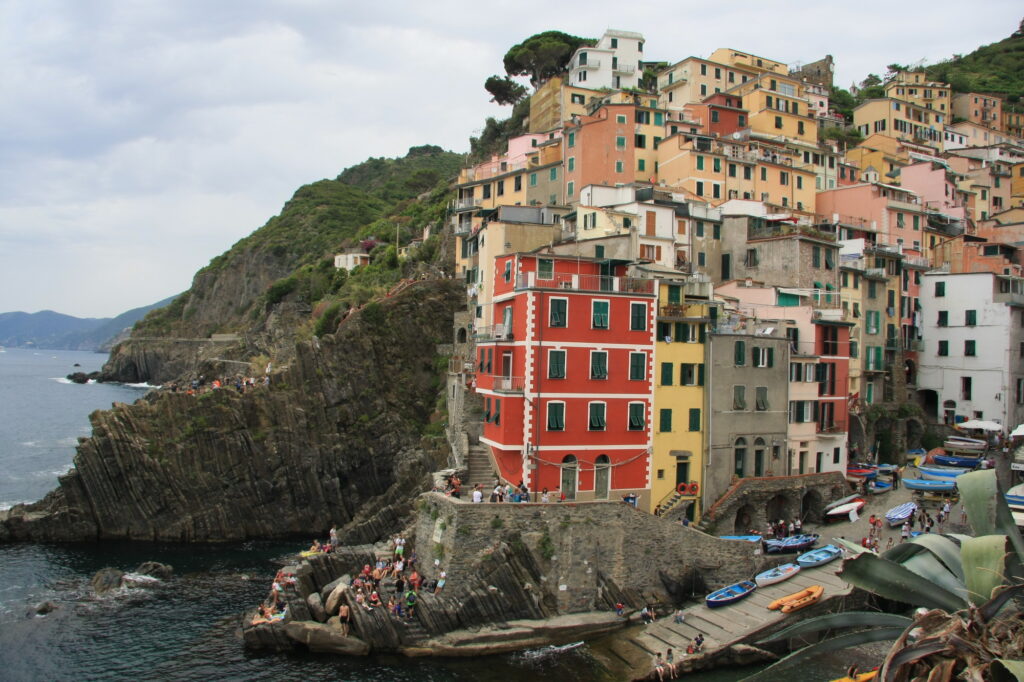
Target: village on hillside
(675,287)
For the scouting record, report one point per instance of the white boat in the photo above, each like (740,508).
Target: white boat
(849,509)
(964,444)
(776,575)
(940,473)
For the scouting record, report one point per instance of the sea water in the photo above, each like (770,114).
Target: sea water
(185,628)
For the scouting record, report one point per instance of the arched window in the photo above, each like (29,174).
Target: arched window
(602,477)
(759,448)
(570,469)
(740,456)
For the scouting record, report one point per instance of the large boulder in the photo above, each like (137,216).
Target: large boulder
(329,587)
(316,607)
(107,579)
(155,569)
(325,639)
(334,599)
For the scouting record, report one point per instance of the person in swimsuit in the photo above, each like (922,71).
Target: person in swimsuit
(345,616)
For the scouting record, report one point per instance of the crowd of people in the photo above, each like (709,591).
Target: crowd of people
(201,384)
(782,529)
(274,608)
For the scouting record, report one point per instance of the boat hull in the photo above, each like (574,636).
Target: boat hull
(819,557)
(897,515)
(941,473)
(797,543)
(811,596)
(965,461)
(776,575)
(929,486)
(730,595)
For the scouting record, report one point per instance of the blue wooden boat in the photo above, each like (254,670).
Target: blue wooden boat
(879,487)
(958,461)
(730,594)
(776,575)
(1015,500)
(745,538)
(900,513)
(934,473)
(929,486)
(794,543)
(817,557)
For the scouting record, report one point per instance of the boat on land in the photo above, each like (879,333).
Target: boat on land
(832,505)
(854,676)
(879,487)
(745,538)
(794,543)
(845,510)
(797,600)
(924,485)
(940,473)
(820,556)
(1015,500)
(900,513)
(861,474)
(966,461)
(776,575)
(964,444)
(731,594)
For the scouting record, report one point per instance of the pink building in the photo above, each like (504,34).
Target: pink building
(935,183)
(878,213)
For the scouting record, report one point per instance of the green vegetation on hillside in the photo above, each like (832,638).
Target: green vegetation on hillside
(996,68)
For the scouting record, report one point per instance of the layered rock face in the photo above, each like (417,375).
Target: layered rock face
(335,439)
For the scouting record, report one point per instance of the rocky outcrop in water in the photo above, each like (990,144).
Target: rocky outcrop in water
(335,439)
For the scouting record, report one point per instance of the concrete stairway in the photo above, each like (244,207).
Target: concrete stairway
(481,469)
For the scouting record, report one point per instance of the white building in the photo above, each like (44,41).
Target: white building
(351,259)
(972,365)
(613,63)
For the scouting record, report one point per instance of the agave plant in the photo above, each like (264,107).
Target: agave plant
(960,585)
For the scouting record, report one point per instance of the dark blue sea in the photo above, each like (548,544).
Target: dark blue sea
(184,628)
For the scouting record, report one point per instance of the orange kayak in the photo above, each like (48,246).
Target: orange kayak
(797,600)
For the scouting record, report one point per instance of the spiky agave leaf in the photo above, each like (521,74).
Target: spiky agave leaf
(1004,670)
(989,609)
(847,619)
(931,569)
(984,561)
(908,655)
(893,581)
(945,549)
(854,547)
(989,514)
(850,639)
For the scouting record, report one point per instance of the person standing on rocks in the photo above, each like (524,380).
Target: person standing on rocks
(345,617)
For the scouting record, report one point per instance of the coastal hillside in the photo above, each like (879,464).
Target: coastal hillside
(996,68)
(55,331)
(277,284)
(346,435)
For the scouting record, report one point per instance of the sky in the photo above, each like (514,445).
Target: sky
(139,139)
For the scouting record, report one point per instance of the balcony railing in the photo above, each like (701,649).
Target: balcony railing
(466,204)
(578,282)
(591,64)
(624,68)
(495,332)
(505,384)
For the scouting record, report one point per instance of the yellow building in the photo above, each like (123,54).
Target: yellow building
(776,107)
(751,62)
(1017,185)
(678,443)
(886,154)
(914,87)
(693,79)
(899,119)
(554,103)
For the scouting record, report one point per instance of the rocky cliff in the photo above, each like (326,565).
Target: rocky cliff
(336,438)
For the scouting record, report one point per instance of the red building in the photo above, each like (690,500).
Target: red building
(722,114)
(832,346)
(565,377)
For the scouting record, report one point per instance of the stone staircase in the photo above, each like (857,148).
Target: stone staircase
(480,468)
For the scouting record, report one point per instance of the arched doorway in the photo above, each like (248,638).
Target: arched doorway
(570,470)
(949,412)
(744,519)
(777,508)
(602,477)
(811,507)
(929,400)
(914,432)
(461,337)
(740,457)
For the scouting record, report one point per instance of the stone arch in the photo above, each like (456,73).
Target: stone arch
(777,508)
(915,430)
(812,506)
(461,335)
(744,519)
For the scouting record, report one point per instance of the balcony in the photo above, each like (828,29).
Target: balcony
(916,262)
(579,282)
(590,64)
(503,384)
(495,332)
(466,204)
(904,205)
(624,68)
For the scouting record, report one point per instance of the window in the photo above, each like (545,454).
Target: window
(965,388)
(691,374)
(969,348)
(732,170)
(943,348)
(716,163)
(739,353)
(700,162)
(872,289)
(619,167)
(569,189)
(741,121)
(641,164)
(553,174)
(716,231)
(694,419)
(533,179)
(558,312)
(556,364)
(597,417)
(545,268)
(762,357)
(638,317)
(739,399)
(970,317)
(598,364)
(778,122)
(761,398)
(667,370)
(943,320)
(637,421)
(714,115)
(621,118)
(637,366)
(572,164)
(940,289)
(873,321)
(620,142)
(816,256)
(571,140)
(556,416)
(664,420)
(751,259)
(700,188)
(783,178)
(640,141)
(599,315)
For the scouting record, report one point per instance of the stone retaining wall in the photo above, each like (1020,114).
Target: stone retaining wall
(778,497)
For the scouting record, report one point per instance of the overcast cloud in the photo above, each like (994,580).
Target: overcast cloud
(138,140)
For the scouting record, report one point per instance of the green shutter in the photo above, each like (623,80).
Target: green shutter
(666,373)
(771,357)
(665,420)
(740,353)
(702,332)
(695,415)
(557,368)
(700,374)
